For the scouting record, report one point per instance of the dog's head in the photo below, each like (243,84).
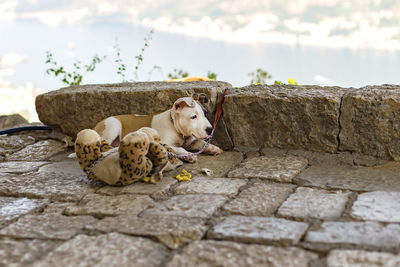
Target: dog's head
(190,118)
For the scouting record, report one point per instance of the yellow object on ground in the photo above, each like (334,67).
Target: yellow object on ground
(146,179)
(185,176)
(190,79)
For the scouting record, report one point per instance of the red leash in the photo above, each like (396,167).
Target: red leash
(219,108)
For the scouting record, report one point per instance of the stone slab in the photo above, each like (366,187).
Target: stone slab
(11,121)
(284,116)
(106,250)
(369,121)
(172,231)
(196,206)
(377,206)
(39,151)
(158,189)
(12,208)
(46,185)
(98,205)
(219,165)
(354,178)
(359,234)
(253,229)
(47,226)
(23,252)
(361,258)
(217,186)
(314,203)
(67,167)
(261,199)
(67,108)
(10,144)
(223,253)
(18,167)
(276,168)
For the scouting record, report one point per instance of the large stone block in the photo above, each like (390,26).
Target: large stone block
(302,117)
(369,121)
(75,108)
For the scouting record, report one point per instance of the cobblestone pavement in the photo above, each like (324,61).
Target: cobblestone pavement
(268,208)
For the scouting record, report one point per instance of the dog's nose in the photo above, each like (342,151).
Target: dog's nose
(209,130)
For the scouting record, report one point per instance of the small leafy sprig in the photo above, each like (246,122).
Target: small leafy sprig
(139,57)
(75,77)
(178,74)
(121,66)
(260,76)
(211,75)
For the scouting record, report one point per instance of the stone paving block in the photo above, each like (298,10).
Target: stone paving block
(255,229)
(261,199)
(106,250)
(47,226)
(39,151)
(66,167)
(99,205)
(23,252)
(204,185)
(314,203)
(10,144)
(219,165)
(280,169)
(18,167)
(196,206)
(55,186)
(377,206)
(383,178)
(223,253)
(12,208)
(157,189)
(360,234)
(173,231)
(360,258)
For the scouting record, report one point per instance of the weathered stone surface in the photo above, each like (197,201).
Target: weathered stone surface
(314,203)
(351,177)
(364,234)
(223,253)
(157,189)
(218,186)
(196,206)
(261,199)
(46,185)
(68,110)
(360,258)
(106,250)
(280,169)
(369,121)
(259,230)
(173,231)
(10,144)
(284,116)
(18,167)
(23,252)
(98,205)
(67,167)
(47,226)
(219,165)
(11,121)
(377,206)
(39,151)
(12,208)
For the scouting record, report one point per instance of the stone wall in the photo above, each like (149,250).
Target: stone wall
(327,119)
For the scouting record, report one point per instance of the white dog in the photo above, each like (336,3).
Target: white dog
(183,127)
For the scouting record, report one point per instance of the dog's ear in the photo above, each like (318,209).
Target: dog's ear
(183,102)
(203,99)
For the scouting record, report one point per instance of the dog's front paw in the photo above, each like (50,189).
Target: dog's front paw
(190,159)
(212,150)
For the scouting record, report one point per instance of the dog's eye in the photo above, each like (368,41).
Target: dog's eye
(193,117)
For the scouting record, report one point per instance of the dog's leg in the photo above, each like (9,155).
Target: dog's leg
(112,131)
(210,149)
(182,151)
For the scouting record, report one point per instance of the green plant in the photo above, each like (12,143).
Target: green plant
(140,56)
(290,81)
(121,66)
(211,75)
(177,74)
(75,77)
(259,76)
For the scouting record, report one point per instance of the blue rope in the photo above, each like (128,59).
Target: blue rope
(26,128)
